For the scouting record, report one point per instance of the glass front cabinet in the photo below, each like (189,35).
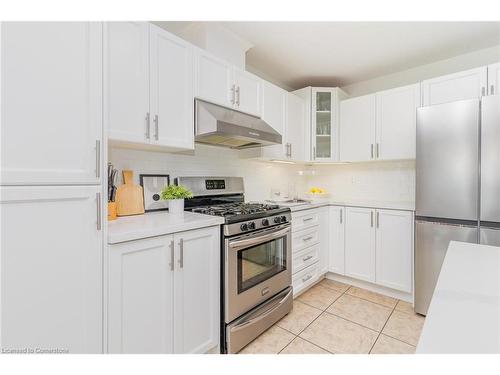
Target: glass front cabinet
(323,105)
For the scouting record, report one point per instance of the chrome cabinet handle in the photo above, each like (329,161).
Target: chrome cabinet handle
(492,90)
(307,238)
(341,219)
(314,153)
(181,257)
(147,134)
(98,207)
(377,150)
(307,219)
(172,255)
(238,96)
(232,94)
(371,150)
(290,149)
(304,279)
(157,134)
(98,158)
(483,91)
(371,219)
(307,258)
(378,219)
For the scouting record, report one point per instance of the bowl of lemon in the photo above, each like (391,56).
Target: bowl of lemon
(317,193)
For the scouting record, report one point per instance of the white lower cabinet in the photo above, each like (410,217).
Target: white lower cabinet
(376,245)
(337,228)
(360,243)
(310,243)
(163,293)
(394,248)
(51,276)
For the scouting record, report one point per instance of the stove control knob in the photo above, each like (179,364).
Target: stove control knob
(277,220)
(283,219)
(251,225)
(244,226)
(265,222)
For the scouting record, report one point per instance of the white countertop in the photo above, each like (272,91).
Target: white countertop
(391,205)
(464,314)
(152,224)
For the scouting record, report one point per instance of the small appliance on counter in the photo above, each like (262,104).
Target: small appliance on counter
(256,265)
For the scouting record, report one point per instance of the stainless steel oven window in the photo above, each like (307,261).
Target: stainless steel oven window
(261,262)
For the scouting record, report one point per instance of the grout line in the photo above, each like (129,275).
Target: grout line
(319,346)
(393,309)
(389,307)
(407,343)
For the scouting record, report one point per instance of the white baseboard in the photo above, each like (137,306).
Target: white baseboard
(408,297)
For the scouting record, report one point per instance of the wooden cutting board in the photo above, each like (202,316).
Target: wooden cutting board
(129,197)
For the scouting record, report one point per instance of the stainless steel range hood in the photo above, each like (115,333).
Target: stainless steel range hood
(220,126)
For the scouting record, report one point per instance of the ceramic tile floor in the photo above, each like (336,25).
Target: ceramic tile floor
(332,317)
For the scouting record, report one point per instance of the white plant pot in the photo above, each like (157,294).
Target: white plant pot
(176,206)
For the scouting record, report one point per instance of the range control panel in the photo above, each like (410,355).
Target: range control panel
(215,184)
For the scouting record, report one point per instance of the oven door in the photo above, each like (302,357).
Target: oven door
(258,266)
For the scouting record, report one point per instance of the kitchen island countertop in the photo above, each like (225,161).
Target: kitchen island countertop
(464,314)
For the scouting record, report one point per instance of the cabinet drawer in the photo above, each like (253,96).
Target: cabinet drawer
(303,279)
(304,238)
(304,219)
(305,258)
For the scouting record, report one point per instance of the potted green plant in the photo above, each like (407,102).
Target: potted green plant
(175,194)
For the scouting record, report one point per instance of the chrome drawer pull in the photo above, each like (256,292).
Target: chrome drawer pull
(307,219)
(307,258)
(304,279)
(307,238)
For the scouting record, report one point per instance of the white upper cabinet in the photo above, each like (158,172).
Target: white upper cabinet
(469,84)
(51,277)
(336,256)
(247,92)
(171,90)
(394,244)
(494,79)
(148,86)
(396,122)
(274,104)
(296,128)
(360,243)
(214,79)
(357,128)
(197,290)
(126,67)
(51,103)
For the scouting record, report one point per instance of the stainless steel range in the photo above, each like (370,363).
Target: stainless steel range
(256,277)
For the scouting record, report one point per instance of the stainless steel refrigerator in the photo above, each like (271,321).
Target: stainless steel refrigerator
(457,184)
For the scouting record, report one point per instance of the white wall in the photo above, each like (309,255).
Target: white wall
(259,177)
(379,181)
(414,75)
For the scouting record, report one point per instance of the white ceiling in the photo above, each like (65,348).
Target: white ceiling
(298,54)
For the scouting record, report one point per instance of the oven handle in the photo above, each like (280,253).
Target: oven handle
(235,245)
(262,315)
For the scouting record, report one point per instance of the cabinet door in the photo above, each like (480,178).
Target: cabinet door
(337,240)
(248,91)
(197,290)
(469,84)
(360,243)
(214,79)
(51,102)
(396,122)
(324,240)
(296,127)
(323,124)
(494,79)
(357,128)
(140,296)
(394,249)
(126,81)
(171,69)
(274,113)
(51,256)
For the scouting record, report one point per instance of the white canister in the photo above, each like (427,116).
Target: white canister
(176,206)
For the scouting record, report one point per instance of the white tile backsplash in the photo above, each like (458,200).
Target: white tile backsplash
(378,181)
